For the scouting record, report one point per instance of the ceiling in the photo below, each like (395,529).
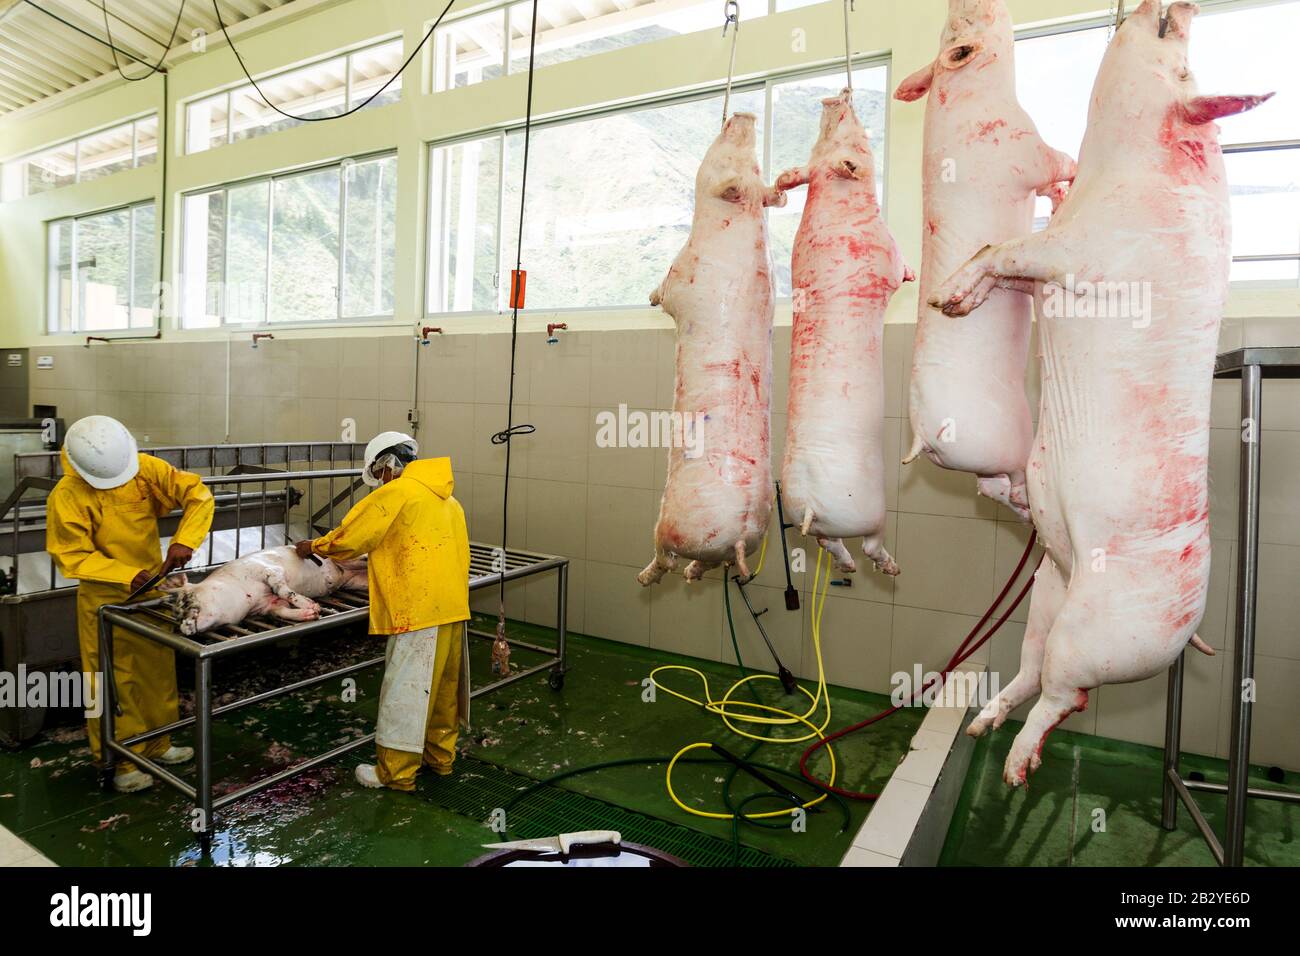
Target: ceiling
(41,56)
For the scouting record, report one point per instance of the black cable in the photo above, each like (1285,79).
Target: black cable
(362,105)
(86,33)
(511,429)
(167,47)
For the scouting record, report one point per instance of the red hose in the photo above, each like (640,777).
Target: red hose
(958,656)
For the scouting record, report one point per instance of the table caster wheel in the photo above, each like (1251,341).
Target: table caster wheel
(556,680)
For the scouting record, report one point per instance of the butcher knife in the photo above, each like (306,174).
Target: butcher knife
(562,843)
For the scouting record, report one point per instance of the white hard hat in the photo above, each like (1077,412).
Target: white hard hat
(102,451)
(380,444)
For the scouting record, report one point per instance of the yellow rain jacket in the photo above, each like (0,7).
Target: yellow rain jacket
(103,539)
(414,531)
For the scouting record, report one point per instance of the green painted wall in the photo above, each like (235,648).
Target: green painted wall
(799,38)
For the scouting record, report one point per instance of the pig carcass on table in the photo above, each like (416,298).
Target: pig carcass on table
(1131,278)
(718,496)
(983,164)
(846,267)
(275,582)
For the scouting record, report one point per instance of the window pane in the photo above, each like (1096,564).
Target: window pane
(146,141)
(202,257)
(305,247)
(245,287)
(1054,77)
(610,200)
(104,153)
(371,69)
(314,91)
(1240,51)
(469,50)
(796,121)
(59,290)
(52,169)
(1278,273)
(206,123)
(1265,192)
(103,282)
(568,31)
(464,185)
(371,231)
(144,244)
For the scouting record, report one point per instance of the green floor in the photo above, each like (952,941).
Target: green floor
(49,793)
(1096,802)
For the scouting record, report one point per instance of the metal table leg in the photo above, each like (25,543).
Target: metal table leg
(1173,743)
(108,699)
(203,750)
(1243,661)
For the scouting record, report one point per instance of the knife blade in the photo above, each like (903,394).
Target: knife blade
(561,843)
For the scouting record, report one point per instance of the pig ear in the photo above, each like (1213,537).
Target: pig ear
(174,582)
(1205,109)
(916,85)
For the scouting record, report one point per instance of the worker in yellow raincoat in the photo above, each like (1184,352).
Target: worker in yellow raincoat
(414,532)
(102,530)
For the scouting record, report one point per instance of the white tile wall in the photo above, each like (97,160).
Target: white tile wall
(598,505)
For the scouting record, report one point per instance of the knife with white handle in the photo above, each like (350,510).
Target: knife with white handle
(562,843)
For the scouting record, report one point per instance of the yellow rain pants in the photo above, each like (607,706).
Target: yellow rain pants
(397,768)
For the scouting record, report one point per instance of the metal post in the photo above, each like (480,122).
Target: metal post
(203,749)
(1173,743)
(1243,662)
(562,615)
(108,697)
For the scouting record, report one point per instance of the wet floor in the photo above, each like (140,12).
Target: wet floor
(49,793)
(1096,802)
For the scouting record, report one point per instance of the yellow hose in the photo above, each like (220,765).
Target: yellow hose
(726,707)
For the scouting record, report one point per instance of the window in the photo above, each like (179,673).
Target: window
(322,89)
(102,269)
(1232,50)
(611,196)
(472,49)
(310,246)
(796,118)
(80,160)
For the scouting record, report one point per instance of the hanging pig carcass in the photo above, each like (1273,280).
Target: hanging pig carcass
(1131,278)
(846,267)
(983,164)
(719,292)
(274,582)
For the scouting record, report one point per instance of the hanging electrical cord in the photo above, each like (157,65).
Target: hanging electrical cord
(167,47)
(963,652)
(364,103)
(85,33)
(500,649)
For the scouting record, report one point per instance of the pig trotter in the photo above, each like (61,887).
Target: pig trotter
(1026,750)
(656,569)
(874,548)
(740,560)
(697,569)
(840,554)
(918,446)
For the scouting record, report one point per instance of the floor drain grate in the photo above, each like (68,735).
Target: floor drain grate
(481,787)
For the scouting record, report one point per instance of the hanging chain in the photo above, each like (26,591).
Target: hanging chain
(732,13)
(848,53)
(1116,19)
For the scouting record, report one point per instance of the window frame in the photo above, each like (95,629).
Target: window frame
(22,160)
(229,93)
(51,266)
(340,166)
(499,133)
(1212,7)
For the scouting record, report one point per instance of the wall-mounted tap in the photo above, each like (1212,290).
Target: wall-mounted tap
(424,333)
(551,329)
(261,335)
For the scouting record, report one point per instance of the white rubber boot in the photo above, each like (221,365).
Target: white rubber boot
(132,782)
(177,755)
(367,776)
